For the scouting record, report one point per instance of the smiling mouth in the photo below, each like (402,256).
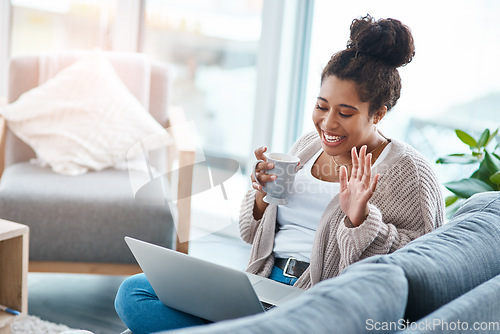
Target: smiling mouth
(332,138)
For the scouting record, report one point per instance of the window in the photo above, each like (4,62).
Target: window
(452,81)
(40,26)
(212,45)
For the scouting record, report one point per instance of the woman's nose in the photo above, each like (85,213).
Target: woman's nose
(331,120)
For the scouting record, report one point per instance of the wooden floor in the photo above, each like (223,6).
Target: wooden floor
(84,268)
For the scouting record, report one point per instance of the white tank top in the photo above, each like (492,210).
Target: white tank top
(298,220)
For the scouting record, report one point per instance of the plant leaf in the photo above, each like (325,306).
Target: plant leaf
(484,138)
(458,158)
(492,162)
(466,138)
(467,187)
(495,178)
(478,155)
(493,135)
(449,200)
(486,169)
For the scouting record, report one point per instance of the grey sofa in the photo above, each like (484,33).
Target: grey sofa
(84,218)
(447,281)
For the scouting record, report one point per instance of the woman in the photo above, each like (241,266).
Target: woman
(362,216)
(337,213)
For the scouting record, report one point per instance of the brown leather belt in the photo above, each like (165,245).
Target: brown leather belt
(291,267)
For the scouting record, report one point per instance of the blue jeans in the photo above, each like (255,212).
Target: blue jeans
(142,312)
(277,275)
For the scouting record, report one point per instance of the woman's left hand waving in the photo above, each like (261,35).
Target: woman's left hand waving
(355,193)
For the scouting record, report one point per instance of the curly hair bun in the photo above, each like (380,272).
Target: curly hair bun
(387,40)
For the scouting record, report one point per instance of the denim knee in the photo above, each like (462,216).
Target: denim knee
(130,291)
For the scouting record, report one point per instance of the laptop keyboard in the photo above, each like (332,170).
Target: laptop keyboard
(267,306)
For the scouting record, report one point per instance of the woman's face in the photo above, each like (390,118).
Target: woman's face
(341,119)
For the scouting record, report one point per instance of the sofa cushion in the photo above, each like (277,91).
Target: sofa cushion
(102,210)
(358,301)
(446,263)
(477,311)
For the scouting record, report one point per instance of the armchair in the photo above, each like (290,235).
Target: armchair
(84,218)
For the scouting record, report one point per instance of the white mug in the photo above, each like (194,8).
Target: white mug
(285,168)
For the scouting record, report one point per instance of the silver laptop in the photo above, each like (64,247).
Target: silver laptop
(205,289)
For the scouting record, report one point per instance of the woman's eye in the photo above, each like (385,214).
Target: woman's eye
(344,115)
(320,108)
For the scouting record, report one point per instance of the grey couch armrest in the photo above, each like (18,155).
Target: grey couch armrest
(448,262)
(445,270)
(353,303)
(477,311)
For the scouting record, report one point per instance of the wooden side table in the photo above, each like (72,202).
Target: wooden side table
(14,254)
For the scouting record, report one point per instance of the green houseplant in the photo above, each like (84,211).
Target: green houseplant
(486,177)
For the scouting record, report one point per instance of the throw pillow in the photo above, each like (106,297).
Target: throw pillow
(84,118)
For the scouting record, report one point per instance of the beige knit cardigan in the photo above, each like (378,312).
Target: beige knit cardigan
(406,204)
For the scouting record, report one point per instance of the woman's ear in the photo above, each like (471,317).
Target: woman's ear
(379,114)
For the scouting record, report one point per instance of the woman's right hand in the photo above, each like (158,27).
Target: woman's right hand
(260,206)
(260,169)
